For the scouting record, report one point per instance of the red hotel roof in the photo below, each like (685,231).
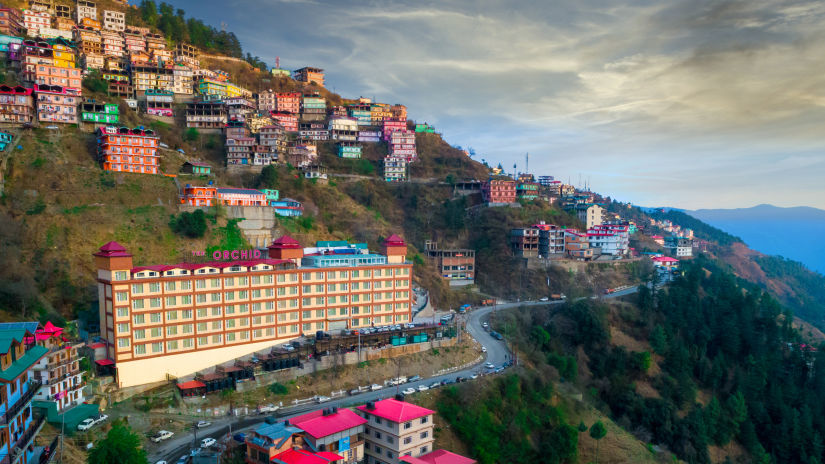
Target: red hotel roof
(285,241)
(292,456)
(665,259)
(394,240)
(438,457)
(397,411)
(191,384)
(319,425)
(112,249)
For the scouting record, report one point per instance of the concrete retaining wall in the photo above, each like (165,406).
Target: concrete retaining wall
(258,225)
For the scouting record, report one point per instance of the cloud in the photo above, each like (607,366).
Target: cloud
(715,93)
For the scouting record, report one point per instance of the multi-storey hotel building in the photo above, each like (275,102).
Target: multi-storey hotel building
(173,320)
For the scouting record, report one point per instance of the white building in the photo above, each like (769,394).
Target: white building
(35,21)
(86,9)
(182,80)
(611,239)
(114,20)
(395,169)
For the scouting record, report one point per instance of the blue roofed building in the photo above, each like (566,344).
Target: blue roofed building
(268,440)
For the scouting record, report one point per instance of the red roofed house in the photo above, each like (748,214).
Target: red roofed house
(333,430)
(59,371)
(438,457)
(396,428)
(666,262)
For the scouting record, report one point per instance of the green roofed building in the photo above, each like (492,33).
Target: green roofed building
(102,113)
(18,354)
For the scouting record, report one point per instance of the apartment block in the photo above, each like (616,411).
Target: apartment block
(609,240)
(395,169)
(99,113)
(186,54)
(182,80)
(59,371)
(238,108)
(392,125)
(114,20)
(34,21)
(394,429)
(551,240)
(286,120)
(206,115)
(288,102)
(194,195)
(11,22)
(402,144)
(349,150)
(16,104)
(525,242)
(113,43)
(177,319)
(456,265)
(309,75)
(121,149)
(343,128)
(159,103)
(576,245)
(18,386)
(56,103)
(527,191)
(239,150)
(86,10)
(499,191)
(133,41)
(590,215)
(313,131)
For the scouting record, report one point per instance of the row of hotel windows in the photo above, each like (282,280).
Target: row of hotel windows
(130,168)
(186,300)
(186,285)
(285,330)
(378,450)
(267,279)
(171,316)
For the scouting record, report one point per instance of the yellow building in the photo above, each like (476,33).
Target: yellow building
(64,56)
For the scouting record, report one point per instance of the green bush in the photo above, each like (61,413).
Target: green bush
(192,225)
(278,389)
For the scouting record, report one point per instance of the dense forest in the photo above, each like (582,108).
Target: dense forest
(730,367)
(808,287)
(512,420)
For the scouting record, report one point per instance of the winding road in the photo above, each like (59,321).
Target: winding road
(497,354)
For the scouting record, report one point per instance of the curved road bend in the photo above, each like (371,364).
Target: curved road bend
(497,354)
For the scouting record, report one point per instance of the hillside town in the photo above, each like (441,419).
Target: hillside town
(223,319)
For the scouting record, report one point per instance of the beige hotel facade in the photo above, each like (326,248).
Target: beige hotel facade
(166,321)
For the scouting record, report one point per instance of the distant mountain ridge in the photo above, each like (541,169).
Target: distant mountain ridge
(795,233)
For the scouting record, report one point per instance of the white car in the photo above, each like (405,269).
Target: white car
(435,385)
(483,349)
(86,424)
(375,386)
(322,399)
(544,298)
(162,435)
(101,418)
(207,442)
(202,424)
(161,462)
(408,391)
(422,388)
(474,376)
(268,408)
(489,366)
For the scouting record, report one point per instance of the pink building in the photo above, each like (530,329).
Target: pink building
(241,197)
(56,103)
(392,125)
(499,191)
(438,457)
(288,121)
(288,102)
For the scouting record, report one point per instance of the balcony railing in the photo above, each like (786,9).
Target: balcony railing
(15,408)
(19,446)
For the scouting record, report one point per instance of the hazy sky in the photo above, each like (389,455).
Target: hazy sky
(687,103)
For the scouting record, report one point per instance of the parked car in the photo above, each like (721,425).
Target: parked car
(86,424)
(544,298)
(183,459)
(161,462)
(474,376)
(162,435)
(483,349)
(435,385)
(489,366)
(414,378)
(408,391)
(322,399)
(268,408)
(101,418)
(207,442)
(485,325)
(355,391)
(202,424)
(375,386)
(422,388)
